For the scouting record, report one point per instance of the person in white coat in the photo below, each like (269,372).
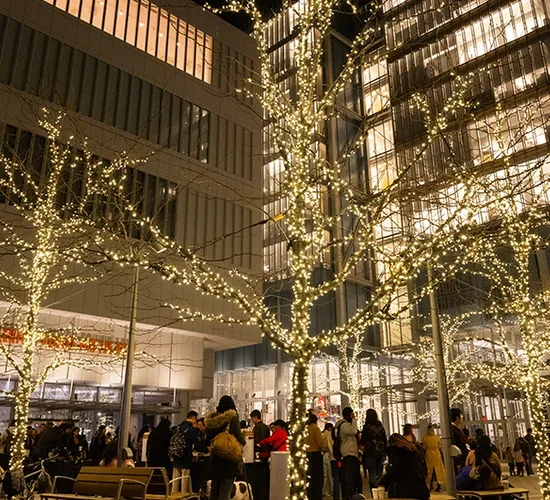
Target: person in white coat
(346,430)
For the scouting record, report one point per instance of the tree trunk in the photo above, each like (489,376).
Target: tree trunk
(22,405)
(541,429)
(297,439)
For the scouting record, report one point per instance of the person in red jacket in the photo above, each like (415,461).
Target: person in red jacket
(278,441)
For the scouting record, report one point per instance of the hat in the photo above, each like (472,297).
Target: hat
(226,403)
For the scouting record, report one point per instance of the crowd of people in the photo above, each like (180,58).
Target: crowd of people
(343,459)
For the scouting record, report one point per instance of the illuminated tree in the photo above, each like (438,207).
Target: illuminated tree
(46,234)
(373,212)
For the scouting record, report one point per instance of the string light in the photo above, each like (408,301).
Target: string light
(51,241)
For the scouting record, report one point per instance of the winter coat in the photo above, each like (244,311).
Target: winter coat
(347,432)
(434,462)
(51,439)
(278,441)
(406,474)
(374,440)
(97,447)
(329,444)
(459,439)
(215,424)
(261,431)
(157,446)
(314,439)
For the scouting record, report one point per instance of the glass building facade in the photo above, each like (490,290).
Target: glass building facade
(503,48)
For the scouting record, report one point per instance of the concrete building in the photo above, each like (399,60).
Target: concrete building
(159,81)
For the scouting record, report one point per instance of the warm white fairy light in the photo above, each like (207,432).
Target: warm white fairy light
(50,241)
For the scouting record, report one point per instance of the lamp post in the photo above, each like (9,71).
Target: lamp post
(126,409)
(442,391)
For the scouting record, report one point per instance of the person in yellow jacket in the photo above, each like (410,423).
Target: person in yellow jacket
(434,462)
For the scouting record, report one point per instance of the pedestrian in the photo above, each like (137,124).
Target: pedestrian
(202,442)
(526,450)
(77,446)
(374,442)
(29,440)
(141,451)
(158,444)
(99,443)
(486,467)
(328,458)
(278,441)
(5,445)
(458,438)
(408,433)
(314,449)
(406,472)
(51,440)
(518,457)
(509,455)
(346,429)
(434,463)
(261,432)
(187,434)
(223,471)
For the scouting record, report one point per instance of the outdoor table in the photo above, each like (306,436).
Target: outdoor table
(461,495)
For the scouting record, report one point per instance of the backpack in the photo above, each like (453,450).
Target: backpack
(336,451)
(178,444)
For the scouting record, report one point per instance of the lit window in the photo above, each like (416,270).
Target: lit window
(190,62)
(86,11)
(163,35)
(172,37)
(133,10)
(99,10)
(200,54)
(208,59)
(122,16)
(181,45)
(74,5)
(150,29)
(153,29)
(142,26)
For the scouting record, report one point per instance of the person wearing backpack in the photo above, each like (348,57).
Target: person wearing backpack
(182,443)
(374,442)
(225,440)
(406,472)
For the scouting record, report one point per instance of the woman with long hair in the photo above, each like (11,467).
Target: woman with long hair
(374,442)
(434,463)
(406,472)
(224,472)
(487,464)
(408,433)
(99,443)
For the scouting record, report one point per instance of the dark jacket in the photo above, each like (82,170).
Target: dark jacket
(158,444)
(78,451)
(375,441)
(406,474)
(459,439)
(50,440)
(261,431)
(97,447)
(215,424)
(193,444)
